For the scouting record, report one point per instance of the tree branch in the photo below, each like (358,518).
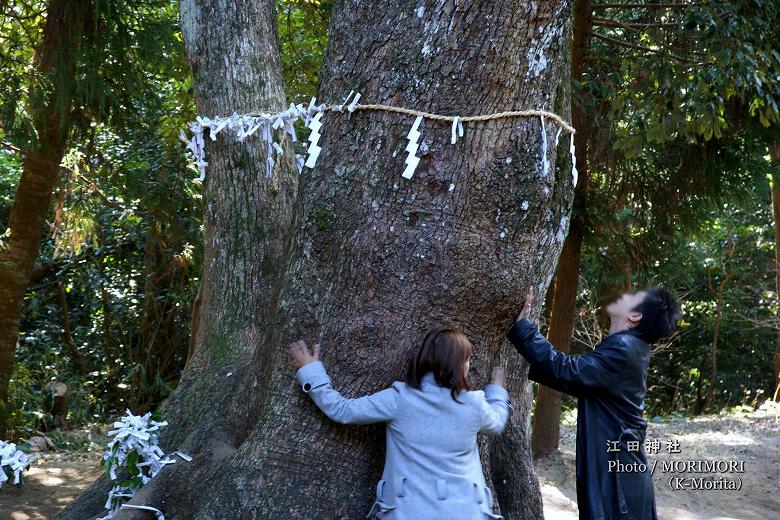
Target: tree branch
(645,49)
(603,22)
(645,6)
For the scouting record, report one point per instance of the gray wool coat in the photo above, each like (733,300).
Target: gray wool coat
(432,468)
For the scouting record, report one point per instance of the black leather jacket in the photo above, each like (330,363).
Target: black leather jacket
(610,384)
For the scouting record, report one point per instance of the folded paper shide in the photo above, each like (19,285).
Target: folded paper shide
(312,116)
(12,462)
(134,448)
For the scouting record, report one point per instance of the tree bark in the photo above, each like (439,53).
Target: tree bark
(50,105)
(233,53)
(547,411)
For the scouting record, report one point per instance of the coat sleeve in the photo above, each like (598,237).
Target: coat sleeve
(494,404)
(574,375)
(378,407)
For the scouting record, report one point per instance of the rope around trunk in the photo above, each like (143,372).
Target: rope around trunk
(439,117)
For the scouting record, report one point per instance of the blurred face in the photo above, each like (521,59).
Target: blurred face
(621,307)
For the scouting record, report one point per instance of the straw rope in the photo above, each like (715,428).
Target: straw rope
(439,117)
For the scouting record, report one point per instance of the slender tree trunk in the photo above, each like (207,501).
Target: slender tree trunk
(159,338)
(233,53)
(50,105)
(79,361)
(714,357)
(718,292)
(774,152)
(547,412)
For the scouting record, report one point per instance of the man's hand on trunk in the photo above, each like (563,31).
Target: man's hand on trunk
(527,305)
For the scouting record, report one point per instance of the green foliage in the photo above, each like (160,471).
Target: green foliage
(689,263)
(118,47)
(685,73)
(109,315)
(676,120)
(303,37)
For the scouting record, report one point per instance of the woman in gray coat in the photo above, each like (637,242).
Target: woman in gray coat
(432,468)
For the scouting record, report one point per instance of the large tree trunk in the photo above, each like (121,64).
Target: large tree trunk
(547,411)
(379,259)
(50,101)
(234,57)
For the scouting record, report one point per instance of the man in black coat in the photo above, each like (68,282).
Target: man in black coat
(614,481)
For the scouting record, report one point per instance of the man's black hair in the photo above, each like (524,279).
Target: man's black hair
(660,313)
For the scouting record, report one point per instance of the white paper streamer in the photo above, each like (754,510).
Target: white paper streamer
(134,433)
(351,106)
(456,125)
(545,160)
(573,162)
(314,137)
(116,492)
(412,160)
(299,160)
(341,106)
(13,459)
(245,126)
(183,455)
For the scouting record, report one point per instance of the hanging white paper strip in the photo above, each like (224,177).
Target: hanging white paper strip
(573,162)
(412,160)
(139,434)
(314,137)
(545,160)
(13,459)
(351,106)
(341,106)
(457,124)
(246,125)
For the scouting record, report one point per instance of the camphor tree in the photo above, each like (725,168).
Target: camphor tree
(363,260)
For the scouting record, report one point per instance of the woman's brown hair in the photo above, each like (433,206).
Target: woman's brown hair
(444,352)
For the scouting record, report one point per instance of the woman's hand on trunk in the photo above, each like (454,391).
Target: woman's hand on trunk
(497,378)
(300,354)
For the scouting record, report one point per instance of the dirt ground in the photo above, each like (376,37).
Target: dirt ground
(50,484)
(753,438)
(58,477)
